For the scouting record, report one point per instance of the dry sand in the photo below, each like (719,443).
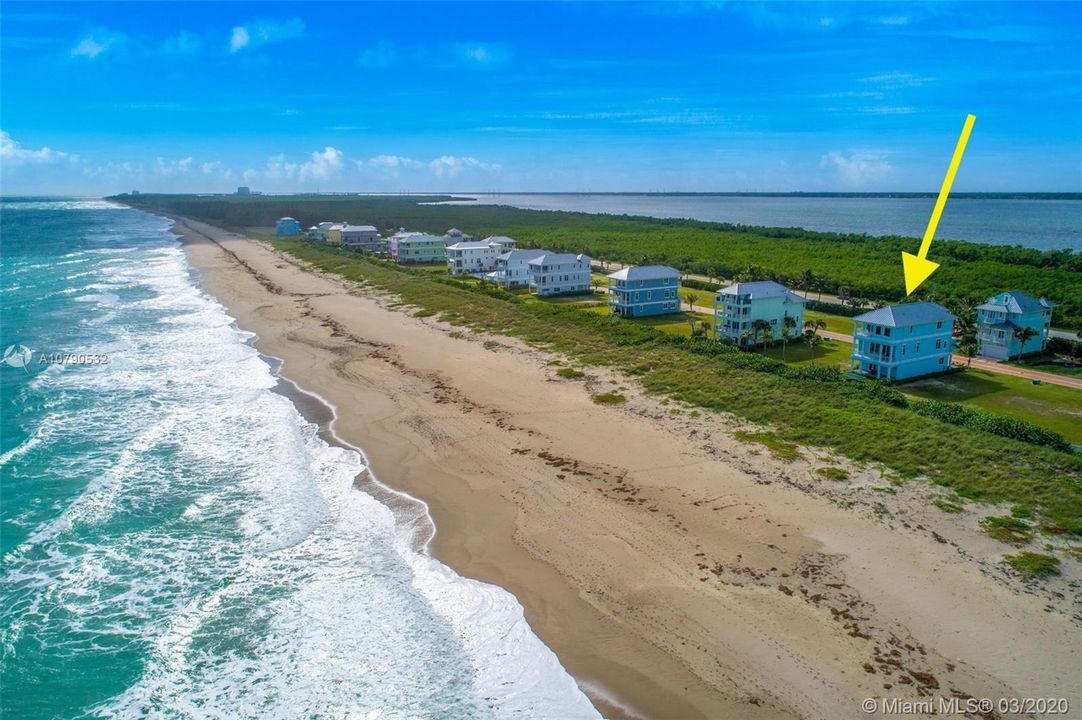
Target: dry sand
(676,571)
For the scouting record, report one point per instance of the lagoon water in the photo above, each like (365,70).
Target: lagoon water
(178,541)
(1041,224)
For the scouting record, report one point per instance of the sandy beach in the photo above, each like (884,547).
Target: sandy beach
(676,571)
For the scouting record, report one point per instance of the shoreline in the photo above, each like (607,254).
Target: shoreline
(616,588)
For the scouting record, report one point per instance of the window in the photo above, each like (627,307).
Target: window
(886,332)
(938,344)
(939,325)
(878,330)
(903,349)
(918,348)
(940,361)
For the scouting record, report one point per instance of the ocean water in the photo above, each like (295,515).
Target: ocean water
(178,541)
(1040,224)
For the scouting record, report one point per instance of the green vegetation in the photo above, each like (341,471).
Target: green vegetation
(1053,407)
(833,473)
(1007,529)
(424,313)
(609,398)
(570,373)
(853,265)
(947,506)
(830,353)
(778,447)
(834,323)
(1031,564)
(808,405)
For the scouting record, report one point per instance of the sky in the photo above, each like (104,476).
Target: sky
(504,97)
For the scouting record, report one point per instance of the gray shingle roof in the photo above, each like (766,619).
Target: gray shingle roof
(761,289)
(1016,301)
(523,254)
(645,272)
(905,314)
(420,238)
(557,258)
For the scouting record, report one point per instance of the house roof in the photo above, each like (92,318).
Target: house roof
(1016,301)
(906,314)
(420,238)
(761,289)
(359,228)
(469,245)
(287,218)
(501,239)
(645,272)
(523,254)
(557,258)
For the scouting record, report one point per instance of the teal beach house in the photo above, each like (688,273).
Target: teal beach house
(1001,320)
(645,290)
(750,313)
(288,227)
(900,342)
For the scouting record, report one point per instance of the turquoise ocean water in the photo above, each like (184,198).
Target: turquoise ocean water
(178,541)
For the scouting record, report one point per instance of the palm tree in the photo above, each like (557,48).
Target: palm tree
(814,325)
(814,341)
(768,336)
(1023,335)
(689,298)
(746,336)
(786,331)
(759,326)
(806,281)
(969,349)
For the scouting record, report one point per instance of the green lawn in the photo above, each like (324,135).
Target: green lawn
(1053,407)
(831,352)
(1050,364)
(835,323)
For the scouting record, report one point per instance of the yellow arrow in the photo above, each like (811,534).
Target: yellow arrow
(918,267)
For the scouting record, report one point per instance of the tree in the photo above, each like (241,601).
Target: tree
(969,349)
(814,341)
(768,336)
(806,282)
(689,298)
(814,325)
(759,327)
(1023,335)
(965,312)
(786,332)
(746,336)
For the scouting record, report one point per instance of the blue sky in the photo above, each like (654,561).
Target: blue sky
(101,98)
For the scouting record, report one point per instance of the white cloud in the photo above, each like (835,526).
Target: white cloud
(95,43)
(12,153)
(320,166)
(380,55)
(169,168)
(449,165)
(860,167)
(482,53)
(239,39)
(393,162)
(264,32)
(183,43)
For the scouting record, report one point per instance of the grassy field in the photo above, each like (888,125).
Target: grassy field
(835,323)
(1050,406)
(832,353)
(839,415)
(1049,364)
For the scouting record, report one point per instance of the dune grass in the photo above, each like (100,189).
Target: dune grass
(834,415)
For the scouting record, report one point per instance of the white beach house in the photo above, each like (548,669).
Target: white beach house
(559,274)
(512,268)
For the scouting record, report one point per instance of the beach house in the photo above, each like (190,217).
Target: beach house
(288,227)
(1000,320)
(363,238)
(505,243)
(393,240)
(558,274)
(747,312)
(644,290)
(900,342)
(455,235)
(512,268)
(420,248)
(472,258)
(334,233)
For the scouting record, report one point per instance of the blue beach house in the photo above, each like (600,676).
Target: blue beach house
(900,342)
(288,227)
(1000,319)
(645,290)
(742,310)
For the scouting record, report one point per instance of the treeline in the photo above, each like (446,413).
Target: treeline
(851,265)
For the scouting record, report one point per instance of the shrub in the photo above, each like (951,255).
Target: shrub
(834,308)
(884,393)
(947,506)
(1006,529)
(1023,430)
(833,473)
(700,285)
(609,398)
(1031,564)
(569,373)
(778,448)
(816,373)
